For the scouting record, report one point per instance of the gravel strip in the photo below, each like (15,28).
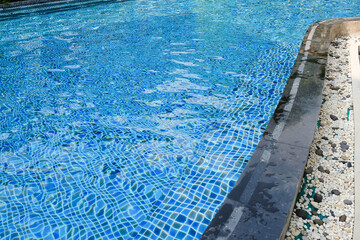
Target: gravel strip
(325,204)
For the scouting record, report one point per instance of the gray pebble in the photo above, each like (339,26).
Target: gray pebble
(342,218)
(319,152)
(321,169)
(314,213)
(321,180)
(335,192)
(333,117)
(318,197)
(325,138)
(349,164)
(332,213)
(318,222)
(308,170)
(344,149)
(344,146)
(333,145)
(301,213)
(327,171)
(348,202)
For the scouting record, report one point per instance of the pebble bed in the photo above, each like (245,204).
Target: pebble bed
(325,204)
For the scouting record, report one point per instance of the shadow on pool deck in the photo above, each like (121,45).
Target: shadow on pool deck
(262,200)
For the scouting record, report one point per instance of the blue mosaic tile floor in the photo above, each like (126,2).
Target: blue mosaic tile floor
(133,120)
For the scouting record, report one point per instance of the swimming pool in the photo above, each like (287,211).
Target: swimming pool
(136,118)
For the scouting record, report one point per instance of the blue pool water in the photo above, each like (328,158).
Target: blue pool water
(133,120)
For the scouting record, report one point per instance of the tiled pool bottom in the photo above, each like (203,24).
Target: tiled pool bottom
(66,174)
(146,149)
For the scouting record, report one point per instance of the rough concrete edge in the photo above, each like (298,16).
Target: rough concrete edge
(355,76)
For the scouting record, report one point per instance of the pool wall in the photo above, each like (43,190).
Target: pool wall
(263,198)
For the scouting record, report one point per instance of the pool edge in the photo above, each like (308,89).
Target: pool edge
(263,198)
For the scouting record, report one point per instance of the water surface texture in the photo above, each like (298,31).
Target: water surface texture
(133,120)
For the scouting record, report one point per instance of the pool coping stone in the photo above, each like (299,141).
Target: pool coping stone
(262,200)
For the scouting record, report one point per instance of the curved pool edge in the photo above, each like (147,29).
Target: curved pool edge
(262,200)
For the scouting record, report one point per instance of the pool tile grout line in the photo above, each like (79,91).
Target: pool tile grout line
(264,196)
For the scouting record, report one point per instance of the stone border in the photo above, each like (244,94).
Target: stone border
(263,198)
